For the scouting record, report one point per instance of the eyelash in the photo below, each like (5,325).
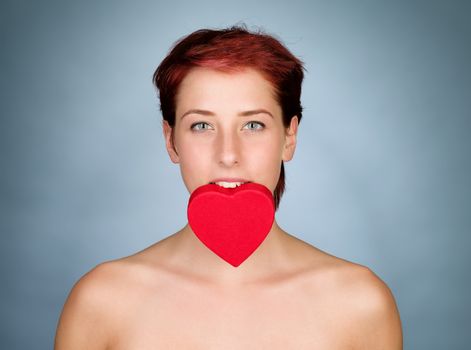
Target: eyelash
(251,122)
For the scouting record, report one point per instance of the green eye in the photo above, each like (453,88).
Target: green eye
(259,123)
(199,129)
(201,126)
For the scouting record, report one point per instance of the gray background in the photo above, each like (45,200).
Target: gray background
(380,176)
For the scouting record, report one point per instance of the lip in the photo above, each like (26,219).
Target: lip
(230,180)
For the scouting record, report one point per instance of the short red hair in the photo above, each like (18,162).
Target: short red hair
(229,50)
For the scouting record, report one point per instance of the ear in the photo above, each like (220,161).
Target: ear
(290,139)
(167,130)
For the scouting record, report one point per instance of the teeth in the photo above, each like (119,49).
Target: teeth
(229,184)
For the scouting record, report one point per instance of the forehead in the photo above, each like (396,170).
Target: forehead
(210,88)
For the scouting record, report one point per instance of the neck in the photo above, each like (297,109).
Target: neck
(269,258)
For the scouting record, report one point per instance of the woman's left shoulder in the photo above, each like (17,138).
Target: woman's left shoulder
(366,290)
(357,298)
(371,304)
(345,279)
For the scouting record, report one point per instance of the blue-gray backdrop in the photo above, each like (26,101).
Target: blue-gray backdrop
(381,175)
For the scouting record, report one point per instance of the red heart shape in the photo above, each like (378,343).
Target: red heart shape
(231,222)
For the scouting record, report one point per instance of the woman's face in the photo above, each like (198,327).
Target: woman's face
(229,125)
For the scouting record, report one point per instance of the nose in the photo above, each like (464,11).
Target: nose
(228,149)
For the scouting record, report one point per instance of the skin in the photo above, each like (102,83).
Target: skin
(176,294)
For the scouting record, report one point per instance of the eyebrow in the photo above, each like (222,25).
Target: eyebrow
(241,114)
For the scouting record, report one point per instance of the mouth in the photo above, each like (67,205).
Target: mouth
(229,184)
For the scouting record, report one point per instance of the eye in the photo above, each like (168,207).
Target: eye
(197,124)
(261,125)
(201,126)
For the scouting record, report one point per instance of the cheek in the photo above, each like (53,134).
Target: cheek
(265,162)
(193,169)
(193,157)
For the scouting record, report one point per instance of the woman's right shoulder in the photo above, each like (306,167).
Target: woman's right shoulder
(99,280)
(91,308)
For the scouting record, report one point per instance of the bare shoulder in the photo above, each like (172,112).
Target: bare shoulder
(94,306)
(103,300)
(356,294)
(372,305)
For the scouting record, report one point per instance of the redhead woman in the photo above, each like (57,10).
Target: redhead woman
(230,101)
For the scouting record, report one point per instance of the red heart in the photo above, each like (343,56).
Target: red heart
(231,222)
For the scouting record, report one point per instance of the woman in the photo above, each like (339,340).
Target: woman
(230,100)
